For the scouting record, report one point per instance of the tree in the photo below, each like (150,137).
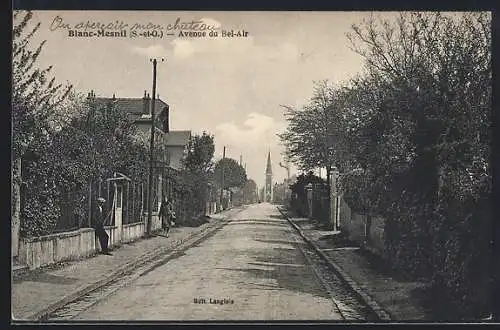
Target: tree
(196,172)
(92,145)
(234,173)
(309,137)
(300,192)
(411,136)
(35,101)
(200,154)
(249,191)
(35,98)
(428,82)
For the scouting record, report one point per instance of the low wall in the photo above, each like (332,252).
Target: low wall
(352,223)
(368,232)
(156,222)
(45,250)
(376,240)
(41,251)
(113,237)
(133,231)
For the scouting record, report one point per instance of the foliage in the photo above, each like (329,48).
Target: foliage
(192,182)
(250,191)
(299,191)
(411,138)
(190,195)
(35,97)
(200,154)
(95,144)
(35,100)
(310,136)
(433,80)
(234,173)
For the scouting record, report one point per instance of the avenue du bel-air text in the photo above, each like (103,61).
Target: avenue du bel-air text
(157,34)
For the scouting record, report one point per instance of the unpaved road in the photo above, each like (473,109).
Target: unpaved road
(254,262)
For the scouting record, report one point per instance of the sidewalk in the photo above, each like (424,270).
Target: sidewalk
(397,298)
(35,291)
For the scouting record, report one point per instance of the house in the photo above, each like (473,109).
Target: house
(177,143)
(139,111)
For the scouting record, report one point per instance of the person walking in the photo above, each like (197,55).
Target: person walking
(98,224)
(163,212)
(167,214)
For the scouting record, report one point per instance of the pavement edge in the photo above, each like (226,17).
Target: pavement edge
(381,313)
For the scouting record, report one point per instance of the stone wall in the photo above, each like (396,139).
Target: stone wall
(367,231)
(45,250)
(41,251)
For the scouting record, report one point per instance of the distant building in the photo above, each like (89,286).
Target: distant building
(177,143)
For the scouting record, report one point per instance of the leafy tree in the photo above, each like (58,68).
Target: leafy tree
(411,135)
(200,154)
(429,104)
(309,136)
(194,177)
(35,97)
(35,103)
(93,145)
(249,191)
(300,192)
(234,173)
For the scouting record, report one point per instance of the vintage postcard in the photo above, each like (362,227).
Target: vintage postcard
(251,166)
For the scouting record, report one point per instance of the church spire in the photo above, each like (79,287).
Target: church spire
(268,167)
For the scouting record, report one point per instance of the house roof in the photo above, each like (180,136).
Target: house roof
(134,107)
(178,138)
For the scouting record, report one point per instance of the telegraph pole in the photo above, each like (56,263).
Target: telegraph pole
(222,176)
(151,152)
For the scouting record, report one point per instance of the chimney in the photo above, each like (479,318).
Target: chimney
(145,103)
(91,96)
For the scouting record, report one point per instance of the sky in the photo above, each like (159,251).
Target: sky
(231,87)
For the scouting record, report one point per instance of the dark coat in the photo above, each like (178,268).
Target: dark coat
(97,216)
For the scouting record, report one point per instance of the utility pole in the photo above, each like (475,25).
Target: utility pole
(222,175)
(151,153)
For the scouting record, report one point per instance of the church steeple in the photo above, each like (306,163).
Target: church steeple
(268,187)
(268,167)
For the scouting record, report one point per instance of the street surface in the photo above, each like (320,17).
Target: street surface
(252,268)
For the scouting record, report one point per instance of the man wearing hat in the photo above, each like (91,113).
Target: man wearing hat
(98,224)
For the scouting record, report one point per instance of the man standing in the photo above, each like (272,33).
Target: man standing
(98,224)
